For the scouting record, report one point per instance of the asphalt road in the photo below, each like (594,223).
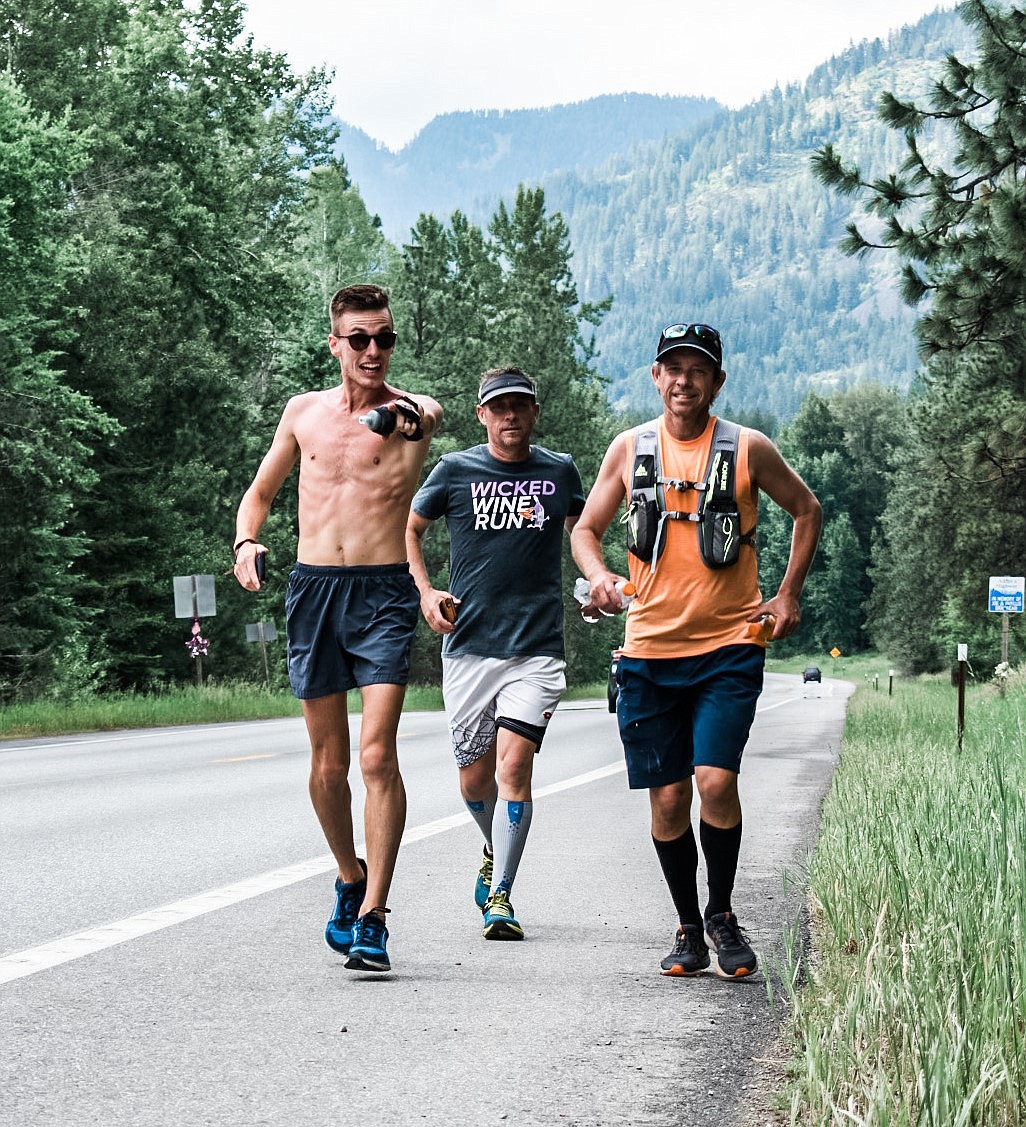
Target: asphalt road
(161,956)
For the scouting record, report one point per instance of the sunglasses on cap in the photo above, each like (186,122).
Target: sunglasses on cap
(703,332)
(385,340)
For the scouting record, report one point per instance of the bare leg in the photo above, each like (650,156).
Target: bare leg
(515,765)
(717,791)
(327,724)
(671,810)
(385,809)
(477,779)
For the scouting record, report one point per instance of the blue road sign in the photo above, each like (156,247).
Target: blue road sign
(1006,594)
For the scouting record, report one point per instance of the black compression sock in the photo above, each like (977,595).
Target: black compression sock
(679,861)
(721,849)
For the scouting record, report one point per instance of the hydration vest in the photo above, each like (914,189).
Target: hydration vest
(718,519)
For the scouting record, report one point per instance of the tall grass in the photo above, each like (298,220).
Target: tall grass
(915,1008)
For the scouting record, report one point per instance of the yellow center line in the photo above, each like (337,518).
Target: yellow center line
(245,758)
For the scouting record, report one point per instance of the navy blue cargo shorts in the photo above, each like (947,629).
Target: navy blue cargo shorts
(679,713)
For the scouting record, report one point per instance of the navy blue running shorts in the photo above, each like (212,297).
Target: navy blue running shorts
(679,713)
(349,627)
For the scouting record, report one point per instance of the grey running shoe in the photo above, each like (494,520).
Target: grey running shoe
(689,956)
(734,955)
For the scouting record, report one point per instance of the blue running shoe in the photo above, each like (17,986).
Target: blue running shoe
(339,932)
(499,921)
(368,949)
(483,886)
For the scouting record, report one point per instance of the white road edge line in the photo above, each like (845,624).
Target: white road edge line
(21,964)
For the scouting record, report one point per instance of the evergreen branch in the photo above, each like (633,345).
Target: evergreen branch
(986,18)
(829,169)
(913,286)
(900,115)
(855,245)
(891,194)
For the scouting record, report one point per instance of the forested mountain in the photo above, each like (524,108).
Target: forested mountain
(721,220)
(468,160)
(728,225)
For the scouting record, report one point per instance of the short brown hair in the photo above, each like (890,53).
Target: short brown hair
(362,298)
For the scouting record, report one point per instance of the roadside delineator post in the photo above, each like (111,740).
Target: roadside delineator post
(963,657)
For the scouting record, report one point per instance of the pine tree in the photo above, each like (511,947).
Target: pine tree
(46,429)
(181,220)
(957,223)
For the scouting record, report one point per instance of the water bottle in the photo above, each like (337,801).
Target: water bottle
(762,629)
(582,593)
(381,420)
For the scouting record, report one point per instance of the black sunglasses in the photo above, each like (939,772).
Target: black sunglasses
(358,342)
(703,332)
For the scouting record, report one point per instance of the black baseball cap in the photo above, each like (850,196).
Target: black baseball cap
(702,338)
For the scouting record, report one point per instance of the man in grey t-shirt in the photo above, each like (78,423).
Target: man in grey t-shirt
(506,504)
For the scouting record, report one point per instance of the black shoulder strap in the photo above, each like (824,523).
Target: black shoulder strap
(646,472)
(720,473)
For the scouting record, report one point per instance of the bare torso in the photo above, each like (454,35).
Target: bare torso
(355,487)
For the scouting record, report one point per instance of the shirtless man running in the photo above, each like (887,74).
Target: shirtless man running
(351,604)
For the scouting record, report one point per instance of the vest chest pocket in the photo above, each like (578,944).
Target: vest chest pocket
(642,520)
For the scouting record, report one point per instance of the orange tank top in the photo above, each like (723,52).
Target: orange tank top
(685,608)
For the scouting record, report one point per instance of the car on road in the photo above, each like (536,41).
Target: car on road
(811,673)
(612,688)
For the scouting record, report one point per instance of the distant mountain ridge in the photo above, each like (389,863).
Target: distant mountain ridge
(717,219)
(729,225)
(467,160)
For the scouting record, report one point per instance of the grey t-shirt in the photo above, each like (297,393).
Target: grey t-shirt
(506,531)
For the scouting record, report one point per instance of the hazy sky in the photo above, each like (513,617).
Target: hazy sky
(399,63)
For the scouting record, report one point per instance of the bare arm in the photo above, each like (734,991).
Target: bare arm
(430,597)
(586,541)
(771,474)
(430,416)
(433,413)
(256,502)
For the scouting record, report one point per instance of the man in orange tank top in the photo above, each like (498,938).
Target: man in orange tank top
(692,663)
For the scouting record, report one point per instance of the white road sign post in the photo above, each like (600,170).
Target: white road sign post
(195,599)
(262,632)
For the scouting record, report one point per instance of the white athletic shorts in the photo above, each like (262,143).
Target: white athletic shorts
(482,692)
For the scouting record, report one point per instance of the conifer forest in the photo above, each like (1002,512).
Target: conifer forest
(177,207)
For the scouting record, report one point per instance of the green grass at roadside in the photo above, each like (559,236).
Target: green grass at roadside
(209,704)
(227,702)
(914,1011)
(860,668)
